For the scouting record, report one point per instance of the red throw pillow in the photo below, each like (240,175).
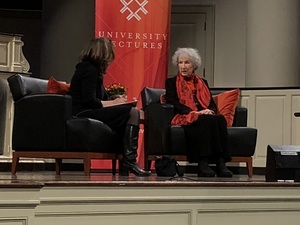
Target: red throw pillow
(57,87)
(226,103)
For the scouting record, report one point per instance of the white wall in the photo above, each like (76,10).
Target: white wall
(273,43)
(257,43)
(230,40)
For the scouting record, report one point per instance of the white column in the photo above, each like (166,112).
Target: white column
(12,61)
(3,103)
(273,40)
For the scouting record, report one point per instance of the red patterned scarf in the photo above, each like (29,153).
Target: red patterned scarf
(185,95)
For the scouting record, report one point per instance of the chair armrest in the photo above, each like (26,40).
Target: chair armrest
(157,123)
(21,86)
(158,114)
(242,141)
(150,96)
(240,117)
(40,122)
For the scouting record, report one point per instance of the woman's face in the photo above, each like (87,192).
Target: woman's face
(185,66)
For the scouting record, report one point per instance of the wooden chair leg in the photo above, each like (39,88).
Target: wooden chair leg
(146,161)
(148,164)
(87,166)
(114,166)
(58,163)
(15,162)
(250,167)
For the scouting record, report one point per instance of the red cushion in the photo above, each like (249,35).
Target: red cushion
(226,103)
(57,87)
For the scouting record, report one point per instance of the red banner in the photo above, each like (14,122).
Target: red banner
(140,32)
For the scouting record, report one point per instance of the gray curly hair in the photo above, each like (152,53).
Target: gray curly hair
(190,52)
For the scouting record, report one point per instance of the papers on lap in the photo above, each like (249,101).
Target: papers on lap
(132,103)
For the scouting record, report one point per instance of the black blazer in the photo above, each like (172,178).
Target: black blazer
(87,88)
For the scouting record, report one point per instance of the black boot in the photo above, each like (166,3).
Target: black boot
(130,151)
(222,170)
(204,170)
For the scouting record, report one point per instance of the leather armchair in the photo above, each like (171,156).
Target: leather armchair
(44,127)
(162,138)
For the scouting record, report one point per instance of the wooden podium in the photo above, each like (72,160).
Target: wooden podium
(12,61)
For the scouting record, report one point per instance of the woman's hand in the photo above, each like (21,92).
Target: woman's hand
(113,97)
(119,100)
(206,112)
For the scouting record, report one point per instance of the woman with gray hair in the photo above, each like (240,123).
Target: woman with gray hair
(196,112)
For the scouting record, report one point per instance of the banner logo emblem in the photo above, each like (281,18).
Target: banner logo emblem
(132,13)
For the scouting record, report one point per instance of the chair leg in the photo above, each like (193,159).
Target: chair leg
(15,162)
(58,163)
(145,160)
(148,164)
(114,165)
(250,167)
(122,170)
(87,166)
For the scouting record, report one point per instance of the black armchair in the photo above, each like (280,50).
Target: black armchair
(160,138)
(44,127)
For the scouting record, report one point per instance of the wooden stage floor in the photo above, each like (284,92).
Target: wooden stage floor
(77,178)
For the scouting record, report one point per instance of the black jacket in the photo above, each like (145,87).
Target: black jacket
(87,88)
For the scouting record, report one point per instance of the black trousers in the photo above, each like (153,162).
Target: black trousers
(207,138)
(116,117)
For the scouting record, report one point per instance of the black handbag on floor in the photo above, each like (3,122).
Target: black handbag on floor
(167,166)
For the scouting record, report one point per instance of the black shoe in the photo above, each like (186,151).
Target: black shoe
(223,171)
(135,168)
(204,170)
